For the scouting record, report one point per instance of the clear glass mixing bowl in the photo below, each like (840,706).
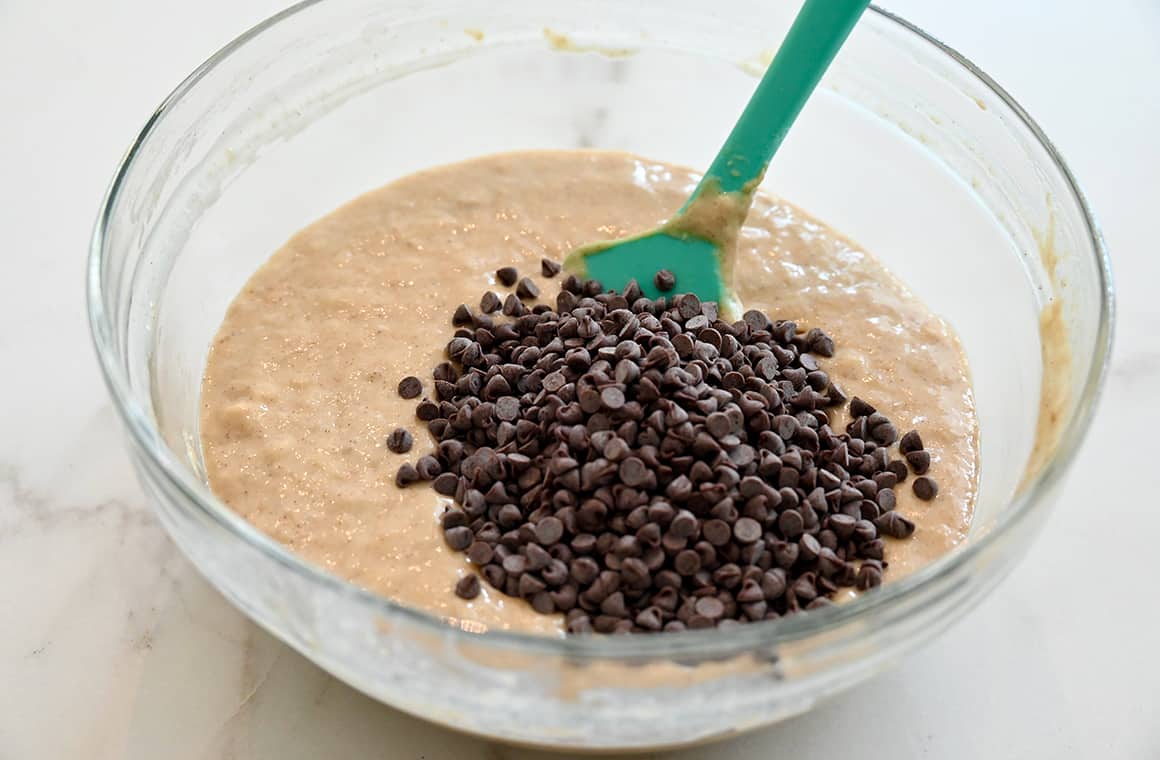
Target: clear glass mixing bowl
(907,148)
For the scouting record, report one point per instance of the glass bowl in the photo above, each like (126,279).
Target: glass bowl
(907,148)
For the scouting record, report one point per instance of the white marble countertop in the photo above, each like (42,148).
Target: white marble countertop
(111,646)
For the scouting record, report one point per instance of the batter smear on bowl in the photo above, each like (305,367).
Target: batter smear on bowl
(329,389)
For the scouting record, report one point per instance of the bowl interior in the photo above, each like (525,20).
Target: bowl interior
(365,105)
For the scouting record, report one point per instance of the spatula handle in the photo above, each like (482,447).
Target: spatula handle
(811,44)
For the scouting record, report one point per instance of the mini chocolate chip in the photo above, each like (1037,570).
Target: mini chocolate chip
(688,305)
(468,586)
(507,408)
(687,562)
(462,315)
(400,441)
(808,547)
(747,530)
(829,563)
(480,553)
(489,303)
(649,619)
(919,461)
(912,441)
(612,398)
(406,475)
(925,488)
(549,268)
(614,605)
(459,537)
(898,469)
(584,570)
(507,276)
(711,607)
(642,465)
(894,525)
(633,472)
(515,565)
(820,343)
(446,484)
(428,468)
(513,307)
(527,290)
(869,576)
(453,518)
(427,410)
(716,532)
(859,408)
(530,585)
(664,280)
(864,530)
(805,588)
(884,433)
(790,523)
(410,387)
(873,549)
(549,531)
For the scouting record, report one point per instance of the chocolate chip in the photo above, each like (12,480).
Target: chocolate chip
(747,530)
(406,475)
(549,530)
(649,619)
(612,398)
(642,465)
(410,387)
(549,268)
(710,607)
(884,433)
(459,537)
(717,532)
(513,306)
(791,524)
(897,468)
(468,586)
(400,441)
(869,576)
(687,562)
(912,441)
(446,484)
(428,468)
(809,547)
(480,553)
(507,408)
(925,488)
(818,342)
(804,588)
(527,290)
(633,472)
(507,276)
(894,525)
(664,280)
(462,315)
(489,303)
(919,461)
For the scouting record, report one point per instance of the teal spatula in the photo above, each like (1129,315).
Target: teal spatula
(695,245)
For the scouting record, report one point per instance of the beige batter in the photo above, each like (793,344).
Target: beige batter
(300,386)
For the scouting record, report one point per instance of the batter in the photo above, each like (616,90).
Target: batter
(300,392)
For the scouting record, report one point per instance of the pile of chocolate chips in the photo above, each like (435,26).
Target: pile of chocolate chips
(641,465)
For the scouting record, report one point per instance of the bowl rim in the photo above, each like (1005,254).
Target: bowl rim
(145,436)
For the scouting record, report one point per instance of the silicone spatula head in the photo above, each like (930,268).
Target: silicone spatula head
(696,253)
